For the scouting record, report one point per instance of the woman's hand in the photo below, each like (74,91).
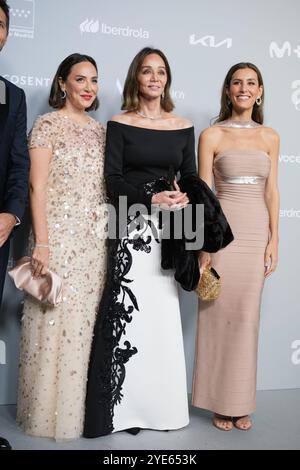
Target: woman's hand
(184,200)
(271,257)
(171,199)
(204,260)
(7,223)
(40,261)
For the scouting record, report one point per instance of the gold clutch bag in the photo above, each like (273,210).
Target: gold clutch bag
(209,284)
(47,288)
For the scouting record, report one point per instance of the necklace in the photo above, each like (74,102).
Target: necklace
(148,117)
(239,124)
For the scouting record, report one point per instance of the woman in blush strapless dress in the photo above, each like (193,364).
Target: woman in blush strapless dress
(242,156)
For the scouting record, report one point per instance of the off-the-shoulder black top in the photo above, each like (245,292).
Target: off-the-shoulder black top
(136,155)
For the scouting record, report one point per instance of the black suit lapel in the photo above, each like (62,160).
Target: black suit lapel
(4,108)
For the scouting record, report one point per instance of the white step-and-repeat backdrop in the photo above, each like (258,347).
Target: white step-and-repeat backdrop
(201,39)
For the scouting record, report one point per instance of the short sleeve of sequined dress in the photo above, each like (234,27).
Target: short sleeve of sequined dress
(42,132)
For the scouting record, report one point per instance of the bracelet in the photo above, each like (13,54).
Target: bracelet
(41,245)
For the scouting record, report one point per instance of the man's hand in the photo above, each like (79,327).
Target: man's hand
(7,223)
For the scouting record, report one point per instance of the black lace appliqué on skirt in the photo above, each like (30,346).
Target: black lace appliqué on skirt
(109,354)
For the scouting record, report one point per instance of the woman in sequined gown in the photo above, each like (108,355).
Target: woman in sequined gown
(242,155)
(69,228)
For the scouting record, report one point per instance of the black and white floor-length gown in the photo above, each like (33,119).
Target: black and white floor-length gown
(137,375)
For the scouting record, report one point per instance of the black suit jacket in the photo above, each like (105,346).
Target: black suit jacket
(14,159)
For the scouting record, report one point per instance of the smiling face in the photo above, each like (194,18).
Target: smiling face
(81,86)
(152,77)
(244,88)
(3,29)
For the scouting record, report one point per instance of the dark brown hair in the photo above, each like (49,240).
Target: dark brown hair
(226,106)
(56,100)
(131,87)
(5,8)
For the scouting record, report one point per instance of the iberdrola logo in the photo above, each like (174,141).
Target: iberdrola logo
(89,26)
(94,26)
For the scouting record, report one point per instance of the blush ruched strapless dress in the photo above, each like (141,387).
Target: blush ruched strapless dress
(227,339)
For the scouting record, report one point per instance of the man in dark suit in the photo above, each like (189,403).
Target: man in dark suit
(14,160)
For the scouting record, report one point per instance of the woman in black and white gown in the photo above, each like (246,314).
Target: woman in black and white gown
(137,376)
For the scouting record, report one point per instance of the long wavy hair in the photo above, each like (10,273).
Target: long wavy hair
(131,87)
(226,105)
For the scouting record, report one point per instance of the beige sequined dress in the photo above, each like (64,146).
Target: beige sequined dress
(55,341)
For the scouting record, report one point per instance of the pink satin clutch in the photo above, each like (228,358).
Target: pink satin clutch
(47,288)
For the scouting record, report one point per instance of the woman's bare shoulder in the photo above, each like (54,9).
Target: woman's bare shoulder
(270,134)
(123,118)
(211,133)
(180,122)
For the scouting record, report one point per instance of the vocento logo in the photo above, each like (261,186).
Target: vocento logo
(22,13)
(286,49)
(2,353)
(296,354)
(94,26)
(296,94)
(175,94)
(290,213)
(289,158)
(28,80)
(209,41)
